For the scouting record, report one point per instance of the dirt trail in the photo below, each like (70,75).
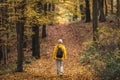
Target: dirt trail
(45,68)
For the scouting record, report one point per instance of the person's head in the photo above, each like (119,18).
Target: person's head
(60,41)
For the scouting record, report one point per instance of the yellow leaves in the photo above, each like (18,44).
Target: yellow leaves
(30,13)
(28,32)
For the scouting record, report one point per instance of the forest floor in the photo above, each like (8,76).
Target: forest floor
(74,35)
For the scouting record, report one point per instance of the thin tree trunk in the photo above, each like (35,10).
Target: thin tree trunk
(49,7)
(4,54)
(106,9)
(95,21)
(45,9)
(53,6)
(118,12)
(75,15)
(102,15)
(4,22)
(118,18)
(44,34)
(53,9)
(35,42)
(111,6)
(88,18)
(82,11)
(44,31)
(1,52)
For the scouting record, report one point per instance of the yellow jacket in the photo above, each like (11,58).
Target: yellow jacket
(55,52)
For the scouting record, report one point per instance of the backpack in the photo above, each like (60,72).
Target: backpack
(59,53)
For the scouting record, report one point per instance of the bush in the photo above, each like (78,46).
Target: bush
(105,59)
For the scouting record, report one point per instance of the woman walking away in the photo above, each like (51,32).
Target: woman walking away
(59,55)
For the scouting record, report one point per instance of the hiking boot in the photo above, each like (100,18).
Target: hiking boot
(61,75)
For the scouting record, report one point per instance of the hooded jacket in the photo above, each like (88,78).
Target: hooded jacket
(56,49)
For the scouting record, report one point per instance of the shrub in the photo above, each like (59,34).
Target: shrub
(105,59)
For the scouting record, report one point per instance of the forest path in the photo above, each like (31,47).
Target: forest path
(45,68)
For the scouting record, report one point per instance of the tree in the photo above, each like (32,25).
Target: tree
(20,35)
(35,42)
(118,19)
(44,34)
(88,18)
(44,31)
(111,6)
(95,21)
(118,12)
(75,15)
(106,8)
(4,21)
(82,11)
(1,53)
(102,15)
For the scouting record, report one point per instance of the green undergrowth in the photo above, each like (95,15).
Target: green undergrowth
(104,59)
(11,68)
(4,69)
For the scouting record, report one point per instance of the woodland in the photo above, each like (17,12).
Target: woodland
(29,30)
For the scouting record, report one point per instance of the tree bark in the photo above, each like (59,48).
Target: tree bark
(53,6)
(4,21)
(111,6)
(118,19)
(20,36)
(118,12)
(45,9)
(44,31)
(106,8)
(44,34)
(20,31)
(35,42)
(49,7)
(75,15)
(102,15)
(1,53)
(88,18)
(82,11)
(95,21)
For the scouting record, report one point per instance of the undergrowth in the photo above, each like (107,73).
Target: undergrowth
(4,69)
(105,59)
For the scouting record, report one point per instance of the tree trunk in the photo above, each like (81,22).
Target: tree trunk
(102,16)
(53,6)
(49,7)
(118,12)
(88,18)
(4,21)
(20,36)
(111,6)
(35,42)
(1,53)
(82,11)
(45,9)
(95,21)
(44,25)
(20,31)
(75,15)
(106,9)
(4,53)
(118,18)
(44,31)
